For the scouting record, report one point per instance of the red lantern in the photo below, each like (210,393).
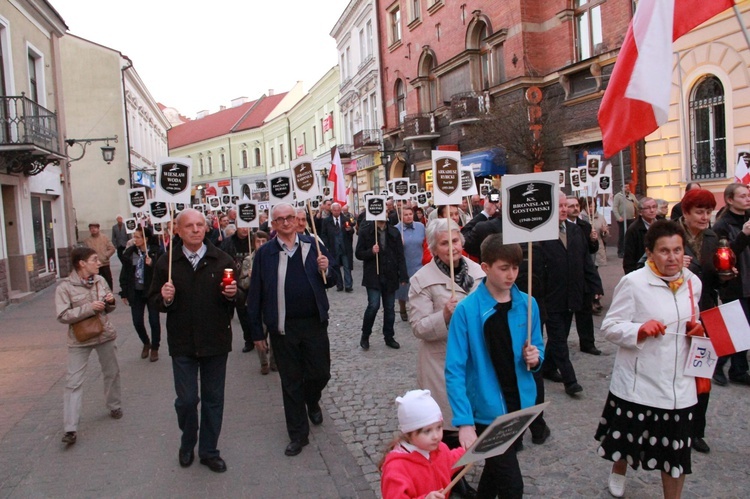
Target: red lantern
(724,259)
(229,278)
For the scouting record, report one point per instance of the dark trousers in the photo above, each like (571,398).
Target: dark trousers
(120,251)
(343,265)
(556,355)
(374,297)
(585,323)
(699,423)
(501,476)
(537,426)
(213,373)
(106,273)
(244,322)
(138,305)
(303,356)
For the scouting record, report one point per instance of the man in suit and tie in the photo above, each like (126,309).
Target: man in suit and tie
(568,273)
(337,233)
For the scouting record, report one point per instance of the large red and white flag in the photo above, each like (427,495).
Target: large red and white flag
(636,101)
(336,176)
(727,327)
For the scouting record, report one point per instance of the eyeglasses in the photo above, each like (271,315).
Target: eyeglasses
(285,220)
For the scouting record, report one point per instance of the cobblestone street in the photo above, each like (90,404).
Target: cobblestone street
(137,456)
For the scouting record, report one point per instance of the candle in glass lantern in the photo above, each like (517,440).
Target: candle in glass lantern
(724,259)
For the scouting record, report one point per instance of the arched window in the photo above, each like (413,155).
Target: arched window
(708,137)
(257,156)
(400,101)
(244,158)
(427,64)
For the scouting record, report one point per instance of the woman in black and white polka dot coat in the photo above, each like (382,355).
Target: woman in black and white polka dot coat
(648,416)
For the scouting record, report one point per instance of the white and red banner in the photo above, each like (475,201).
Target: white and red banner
(328,123)
(727,327)
(636,101)
(336,177)
(742,171)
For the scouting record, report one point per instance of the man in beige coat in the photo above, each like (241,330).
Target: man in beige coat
(104,248)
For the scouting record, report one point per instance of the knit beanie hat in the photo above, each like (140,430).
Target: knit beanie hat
(417,409)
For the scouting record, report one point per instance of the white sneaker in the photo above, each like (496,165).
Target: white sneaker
(616,485)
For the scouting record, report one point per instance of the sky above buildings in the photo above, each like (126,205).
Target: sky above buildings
(196,56)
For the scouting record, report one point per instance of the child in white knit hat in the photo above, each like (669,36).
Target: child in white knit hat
(418,463)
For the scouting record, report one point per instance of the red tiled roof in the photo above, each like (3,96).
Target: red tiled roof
(244,117)
(257,116)
(213,125)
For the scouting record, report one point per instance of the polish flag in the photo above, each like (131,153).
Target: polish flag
(741,171)
(336,176)
(636,101)
(727,328)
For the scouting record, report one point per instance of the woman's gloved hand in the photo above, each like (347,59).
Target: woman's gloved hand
(651,328)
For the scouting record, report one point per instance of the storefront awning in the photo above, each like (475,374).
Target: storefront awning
(487,162)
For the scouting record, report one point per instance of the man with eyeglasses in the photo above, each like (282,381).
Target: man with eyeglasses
(288,294)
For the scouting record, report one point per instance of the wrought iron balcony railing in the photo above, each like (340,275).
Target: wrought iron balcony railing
(468,106)
(366,138)
(24,122)
(420,126)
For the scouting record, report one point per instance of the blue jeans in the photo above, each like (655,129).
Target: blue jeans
(137,307)
(371,312)
(343,263)
(213,373)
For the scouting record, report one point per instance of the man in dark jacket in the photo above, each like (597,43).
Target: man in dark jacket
(238,246)
(199,334)
(568,273)
(337,233)
(384,270)
(734,226)
(584,317)
(296,318)
(635,237)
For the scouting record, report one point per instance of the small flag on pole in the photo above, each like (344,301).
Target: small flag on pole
(727,327)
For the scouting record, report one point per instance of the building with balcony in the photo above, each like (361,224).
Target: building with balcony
(447,68)
(34,243)
(228,148)
(360,98)
(106,98)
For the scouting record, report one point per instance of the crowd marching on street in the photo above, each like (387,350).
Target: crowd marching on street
(462,293)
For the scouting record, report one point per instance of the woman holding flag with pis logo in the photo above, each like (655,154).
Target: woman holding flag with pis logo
(648,415)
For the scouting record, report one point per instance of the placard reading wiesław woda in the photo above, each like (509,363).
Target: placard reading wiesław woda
(530,211)
(173,180)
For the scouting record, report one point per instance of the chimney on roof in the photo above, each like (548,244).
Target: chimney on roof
(201,114)
(222,108)
(239,101)
(270,92)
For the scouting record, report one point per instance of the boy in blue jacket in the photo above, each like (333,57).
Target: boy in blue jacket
(489,363)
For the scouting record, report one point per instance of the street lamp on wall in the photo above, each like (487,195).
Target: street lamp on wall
(108,151)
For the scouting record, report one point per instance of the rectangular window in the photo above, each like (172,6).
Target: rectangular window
(314,136)
(201,166)
(415,10)
(273,159)
(374,110)
(362,46)
(394,24)
(45,259)
(304,141)
(322,133)
(244,158)
(210,165)
(33,86)
(368,27)
(366,114)
(589,39)
(344,75)
(348,62)
(281,154)
(223,163)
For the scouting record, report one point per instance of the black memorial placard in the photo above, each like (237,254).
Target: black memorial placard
(175,178)
(530,204)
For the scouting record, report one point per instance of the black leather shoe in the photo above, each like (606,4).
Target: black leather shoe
(295,447)
(742,379)
(349,290)
(315,414)
(591,351)
(392,343)
(701,446)
(186,457)
(364,342)
(552,376)
(541,438)
(339,289)
(573,389)
(215,464)
(720,378)
(249,347)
